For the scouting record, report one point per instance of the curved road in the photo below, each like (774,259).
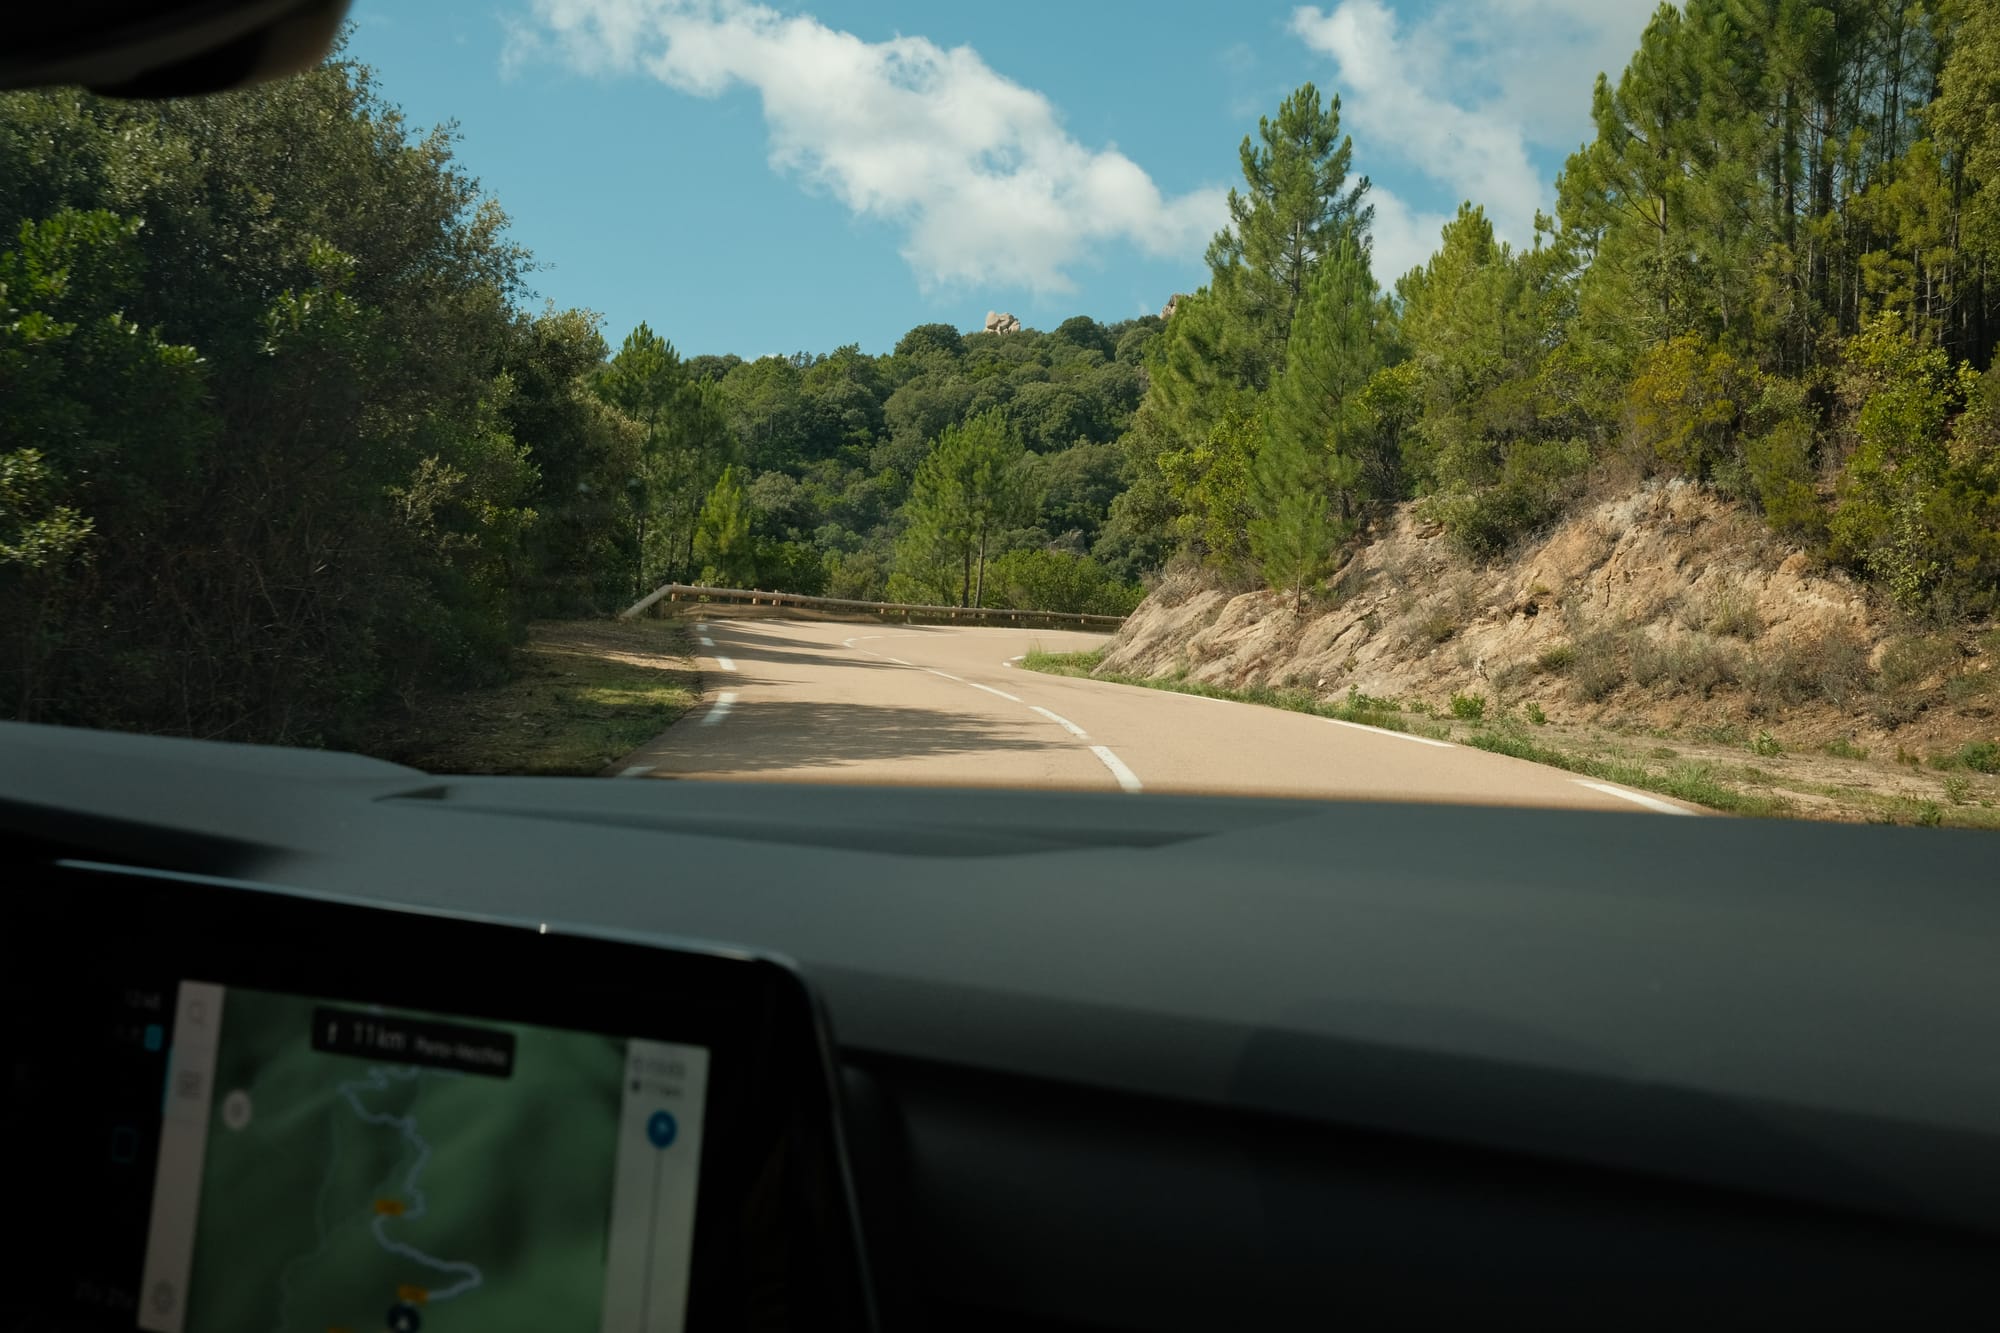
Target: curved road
(811,701)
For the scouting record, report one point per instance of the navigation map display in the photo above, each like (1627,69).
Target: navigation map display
(327,1167)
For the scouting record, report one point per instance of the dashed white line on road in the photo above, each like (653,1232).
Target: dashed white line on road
(637,771)
(1650,802)
(1126,777)
(1063,722)
(897,660)
(707,642)
(847,643)
(720,709)
(701,625)
(726,663)
(1384,731)
(1010,698)
(946,674)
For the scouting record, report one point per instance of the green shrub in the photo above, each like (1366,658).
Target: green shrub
(1842,748)
(1980,756)
(1536,480)
(1468,707)
(1779,467)
(1765,746)
(1536,715)
(1557,658)
(1957,789)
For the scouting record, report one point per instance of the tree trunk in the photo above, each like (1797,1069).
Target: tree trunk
(979,589)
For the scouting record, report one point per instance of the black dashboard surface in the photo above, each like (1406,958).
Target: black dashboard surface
(1180,1062)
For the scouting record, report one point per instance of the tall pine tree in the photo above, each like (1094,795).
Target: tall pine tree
(1309,465)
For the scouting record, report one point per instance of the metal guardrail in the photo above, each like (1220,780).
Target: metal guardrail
(677,592)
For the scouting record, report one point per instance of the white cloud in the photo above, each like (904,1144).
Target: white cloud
(976,170)
(1402,239)
(1465,95)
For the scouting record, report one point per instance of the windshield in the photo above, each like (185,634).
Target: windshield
(1542,404)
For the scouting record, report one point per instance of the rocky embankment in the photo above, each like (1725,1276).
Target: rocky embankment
(1668,609)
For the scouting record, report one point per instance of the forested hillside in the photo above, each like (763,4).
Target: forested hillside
(284,438)
(1774,270)
(287,436)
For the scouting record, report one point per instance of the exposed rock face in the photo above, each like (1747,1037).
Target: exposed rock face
(1670,569)
(1002,322)
(1173,304)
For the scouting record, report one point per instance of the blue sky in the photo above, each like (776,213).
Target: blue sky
(759,178)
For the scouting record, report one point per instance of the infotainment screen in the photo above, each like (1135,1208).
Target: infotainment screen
(233,1108)
(332,1166)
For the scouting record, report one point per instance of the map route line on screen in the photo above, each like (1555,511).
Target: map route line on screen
(377,1080)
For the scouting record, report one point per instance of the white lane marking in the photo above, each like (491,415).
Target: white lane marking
(707,642)
(1017,657)
(1010,698)
(1384,731)
(723,703)
(1126,777)
(1009,663)
(701,625)
(946,674)
(1061,721)
(727,664)
(897,660)
(637,771)
(847,643)
(1650,802)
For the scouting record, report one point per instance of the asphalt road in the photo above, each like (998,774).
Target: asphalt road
(807,701)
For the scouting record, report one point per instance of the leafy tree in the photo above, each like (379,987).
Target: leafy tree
(970,489)
(1054,580)
(938,339)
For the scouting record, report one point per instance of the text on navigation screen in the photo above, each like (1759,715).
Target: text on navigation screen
(328,1166)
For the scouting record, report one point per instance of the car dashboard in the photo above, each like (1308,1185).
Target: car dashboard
(1108,1062)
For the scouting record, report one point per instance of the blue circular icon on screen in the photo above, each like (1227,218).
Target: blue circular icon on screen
(660,1128)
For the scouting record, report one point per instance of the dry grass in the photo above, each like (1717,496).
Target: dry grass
(583,693)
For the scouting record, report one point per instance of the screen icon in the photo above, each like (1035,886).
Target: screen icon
(661,1129)
(155,1036)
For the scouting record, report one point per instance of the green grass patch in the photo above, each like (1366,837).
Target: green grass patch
(1064,664)
(1356,707)
(582,694)
(1696,784)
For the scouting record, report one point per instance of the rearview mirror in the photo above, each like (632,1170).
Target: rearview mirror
(146,48)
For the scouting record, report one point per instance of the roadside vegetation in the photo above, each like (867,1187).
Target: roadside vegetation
(288,439)
(1735,772)
(584,693)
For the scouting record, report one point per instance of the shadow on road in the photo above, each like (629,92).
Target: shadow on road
(776,736)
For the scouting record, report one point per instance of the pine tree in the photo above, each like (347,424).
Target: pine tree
(969,490)
(722,537)
(1296,208)
(1309,464)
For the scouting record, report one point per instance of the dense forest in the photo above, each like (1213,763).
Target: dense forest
(285,436)
(1774,270)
